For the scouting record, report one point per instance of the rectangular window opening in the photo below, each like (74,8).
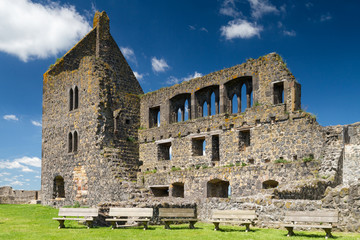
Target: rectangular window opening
(215,148)
(198,146)
(164,151)
(244,137)
(278,92)
(154,117)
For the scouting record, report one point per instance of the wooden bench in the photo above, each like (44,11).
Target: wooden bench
(170,215)
(311,219)
(142,215)
(86,215)
(241,217)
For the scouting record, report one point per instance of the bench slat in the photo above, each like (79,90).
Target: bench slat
(231,214)
(310,226)
(312,216)
(176,212)
(131,212)
(85,212)
(125,220)
(179,219)
(75,219)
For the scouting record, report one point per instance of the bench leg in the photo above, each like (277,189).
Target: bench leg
(89,224)
(290,231)
(145,225)
(216,224)
(113,225)
(191,224)
(247,227)
(167,225)
(61,224)
(328,233)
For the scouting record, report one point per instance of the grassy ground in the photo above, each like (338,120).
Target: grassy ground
(35,222)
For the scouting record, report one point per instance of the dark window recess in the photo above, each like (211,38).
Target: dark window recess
(154,117)
(71,99)
(164,151)
(76,97)
(59,187)
(244,137)
(198,146)
(278,92)
(270,184)
(70,142)
(178,189)
(75,139)
(127,121)
(218,188)
(215,148)
(161,191)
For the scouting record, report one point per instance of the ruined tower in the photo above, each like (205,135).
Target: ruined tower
(90,122)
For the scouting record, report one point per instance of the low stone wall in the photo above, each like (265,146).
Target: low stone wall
(270,210)
(10,196)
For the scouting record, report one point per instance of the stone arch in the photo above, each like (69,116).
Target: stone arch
(71,99)
(235,86)
(177,107)
(75,140)
(76,97)
(59,187)
(204,95)
(70,142)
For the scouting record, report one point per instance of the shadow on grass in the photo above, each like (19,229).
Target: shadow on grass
(236,230)
(182,228)
(311,235)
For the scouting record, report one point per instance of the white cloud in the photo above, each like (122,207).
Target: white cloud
(192,27)
(17,183)
(325,17)
(203,29)
(291,33)
(138,76)
(36,123)
(174,80)
(240,29)
(261,7)
(21,163)
(309,5)
(159,65)
(228,8)
(129,54)
(35,30)
(11,117)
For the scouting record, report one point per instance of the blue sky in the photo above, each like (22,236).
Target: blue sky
(166,42)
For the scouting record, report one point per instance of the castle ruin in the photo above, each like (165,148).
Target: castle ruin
(235,138)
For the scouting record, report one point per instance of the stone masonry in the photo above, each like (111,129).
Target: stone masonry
(233,139)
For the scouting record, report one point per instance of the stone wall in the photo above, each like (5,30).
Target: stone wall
(10,196)
(106,121)
(351,165)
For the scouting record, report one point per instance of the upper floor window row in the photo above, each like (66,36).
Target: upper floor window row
(73,98)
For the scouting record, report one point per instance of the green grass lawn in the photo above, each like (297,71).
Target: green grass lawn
(35,222)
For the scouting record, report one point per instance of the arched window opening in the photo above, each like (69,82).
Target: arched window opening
(270,184)
(178,189)
(179,115)
(75,141)
(70,142)
(218,188)
(71,99)
(59,187)
(234,104)
(76,97)
(186,111)
(205,109)
(213,104)
(243,98)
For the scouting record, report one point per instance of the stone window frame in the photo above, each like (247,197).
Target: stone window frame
(73,142)
(162,146)
(73,98)
(202,96)
(278,90)
(244,138)
(176,104)
(177,189)
(219,184)
(196,142)
(57,191)
(234,86)
(154,116)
